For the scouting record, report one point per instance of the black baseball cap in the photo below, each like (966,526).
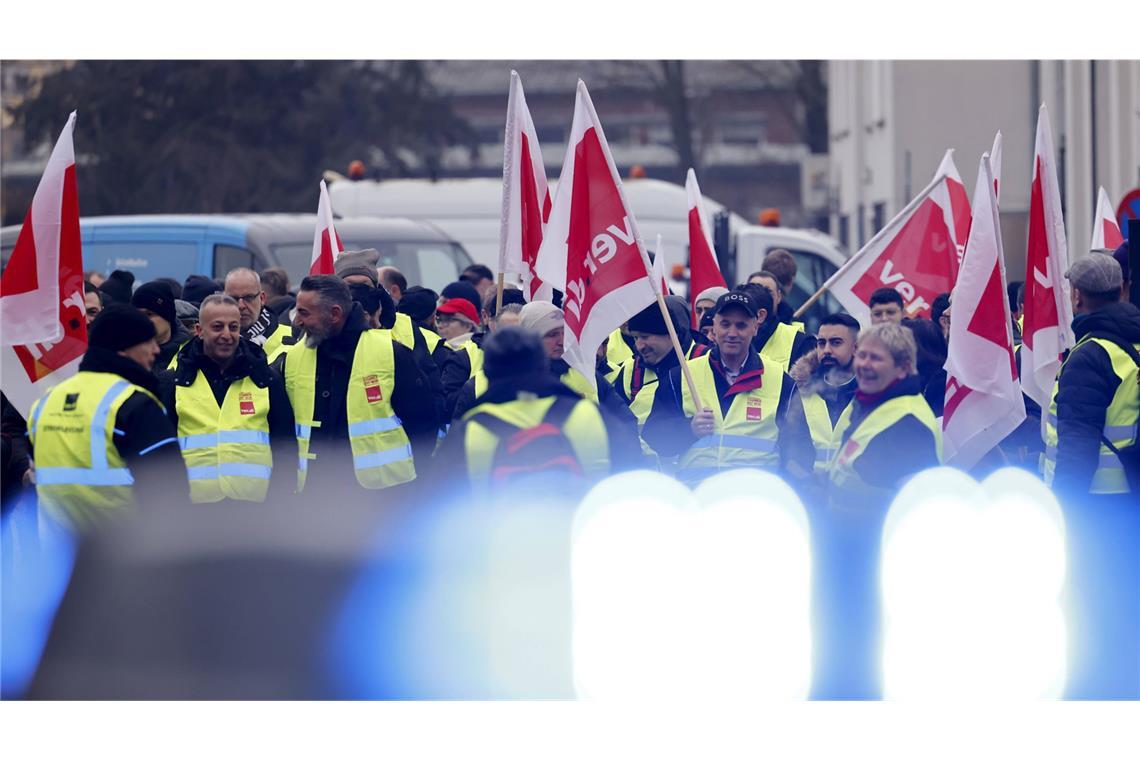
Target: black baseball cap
(736,300)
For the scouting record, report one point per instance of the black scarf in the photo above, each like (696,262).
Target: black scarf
(261,328)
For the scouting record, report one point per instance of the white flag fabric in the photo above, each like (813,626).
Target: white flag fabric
(526,197)
(592,250)
(1048,314)
(983,398)
(326,243)
(29,288)
(995,164)
(1106,230)
(51,226)
(659,280)
(917,253)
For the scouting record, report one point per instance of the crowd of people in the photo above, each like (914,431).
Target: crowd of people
(358,386)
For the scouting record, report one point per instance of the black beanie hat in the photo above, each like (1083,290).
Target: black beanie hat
(157,297)
(197,287)
(418,303)
(649,319)
(513,351)
(120,326)
(466,291)
(117,286)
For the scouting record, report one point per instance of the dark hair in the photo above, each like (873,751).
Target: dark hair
(392,276)
(886,295)
(940,305)
(1011,290)
(330,290)
(1020,295)
(275,281)
(1097,300)
(510,295)
(367,296)
(760,296)
(931,346)
(842,319)
(782,265)
(513,351)
(479,272)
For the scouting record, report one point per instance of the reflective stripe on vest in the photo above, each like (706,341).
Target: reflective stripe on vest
(823,435)
(80,475)
(842,467)
(381,452)
(226,448)
(584,429)
(779,345)
(746,437)
(1120,422)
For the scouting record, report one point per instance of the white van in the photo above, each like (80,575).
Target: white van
(468,210)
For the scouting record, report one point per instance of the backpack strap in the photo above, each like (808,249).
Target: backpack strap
(560,411)
(556,415)
(499,427)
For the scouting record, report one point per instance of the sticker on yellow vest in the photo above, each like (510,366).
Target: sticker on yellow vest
(753,412)
(372,389)
(849,452)
(245,403)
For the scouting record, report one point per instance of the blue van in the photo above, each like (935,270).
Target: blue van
(177,246)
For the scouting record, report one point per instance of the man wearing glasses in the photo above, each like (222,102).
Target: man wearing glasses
(257,323)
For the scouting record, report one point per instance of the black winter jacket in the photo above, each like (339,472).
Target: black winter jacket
(1086,387)
(249,361)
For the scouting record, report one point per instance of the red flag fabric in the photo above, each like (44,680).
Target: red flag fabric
(45,273)
(592,250)
(526,197)
(917,253)
(1106,230)
(1048,315)
(704,272)
(326,243)
(983,397)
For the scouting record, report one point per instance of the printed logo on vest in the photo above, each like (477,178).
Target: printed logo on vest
(245,403)
(70,401)
(372,389)
(849,452)
(753,412)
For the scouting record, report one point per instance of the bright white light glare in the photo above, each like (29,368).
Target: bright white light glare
(681,596)
(971,576)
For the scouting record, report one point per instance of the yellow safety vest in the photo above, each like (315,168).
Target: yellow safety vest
(642,403)
(823,435)
(779,346)
(584,429)
(274,344)
(572,379)
(226,448)
(1120,421)
(430,337)
(842,467)
(80,475)
(403,331)
(381,452)
(618,351)
(799,326)
(474,353)
(746,437)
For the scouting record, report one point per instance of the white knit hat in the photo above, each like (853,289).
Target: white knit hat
(541,316)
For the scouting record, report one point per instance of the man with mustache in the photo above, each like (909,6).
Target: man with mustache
(234,419)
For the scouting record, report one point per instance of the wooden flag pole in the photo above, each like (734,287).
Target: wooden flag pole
(677,349)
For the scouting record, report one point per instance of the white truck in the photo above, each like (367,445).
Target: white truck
(468,211)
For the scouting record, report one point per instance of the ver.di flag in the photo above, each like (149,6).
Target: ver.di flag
(917,253)
(659,280)
(704,272)
(1046,330)
(592,250)
(326,243)
(526,197)
(983,397)
(44,282)
(1106,230)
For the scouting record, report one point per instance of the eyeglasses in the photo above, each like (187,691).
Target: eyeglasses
(250,298)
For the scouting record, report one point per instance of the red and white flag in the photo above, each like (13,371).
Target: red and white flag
(918,253)
(1046,330)
(326,243)
(704,272)
(526,197)
(1106,230)
(659,280)
(43,315)
(983,397)
(592,250)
